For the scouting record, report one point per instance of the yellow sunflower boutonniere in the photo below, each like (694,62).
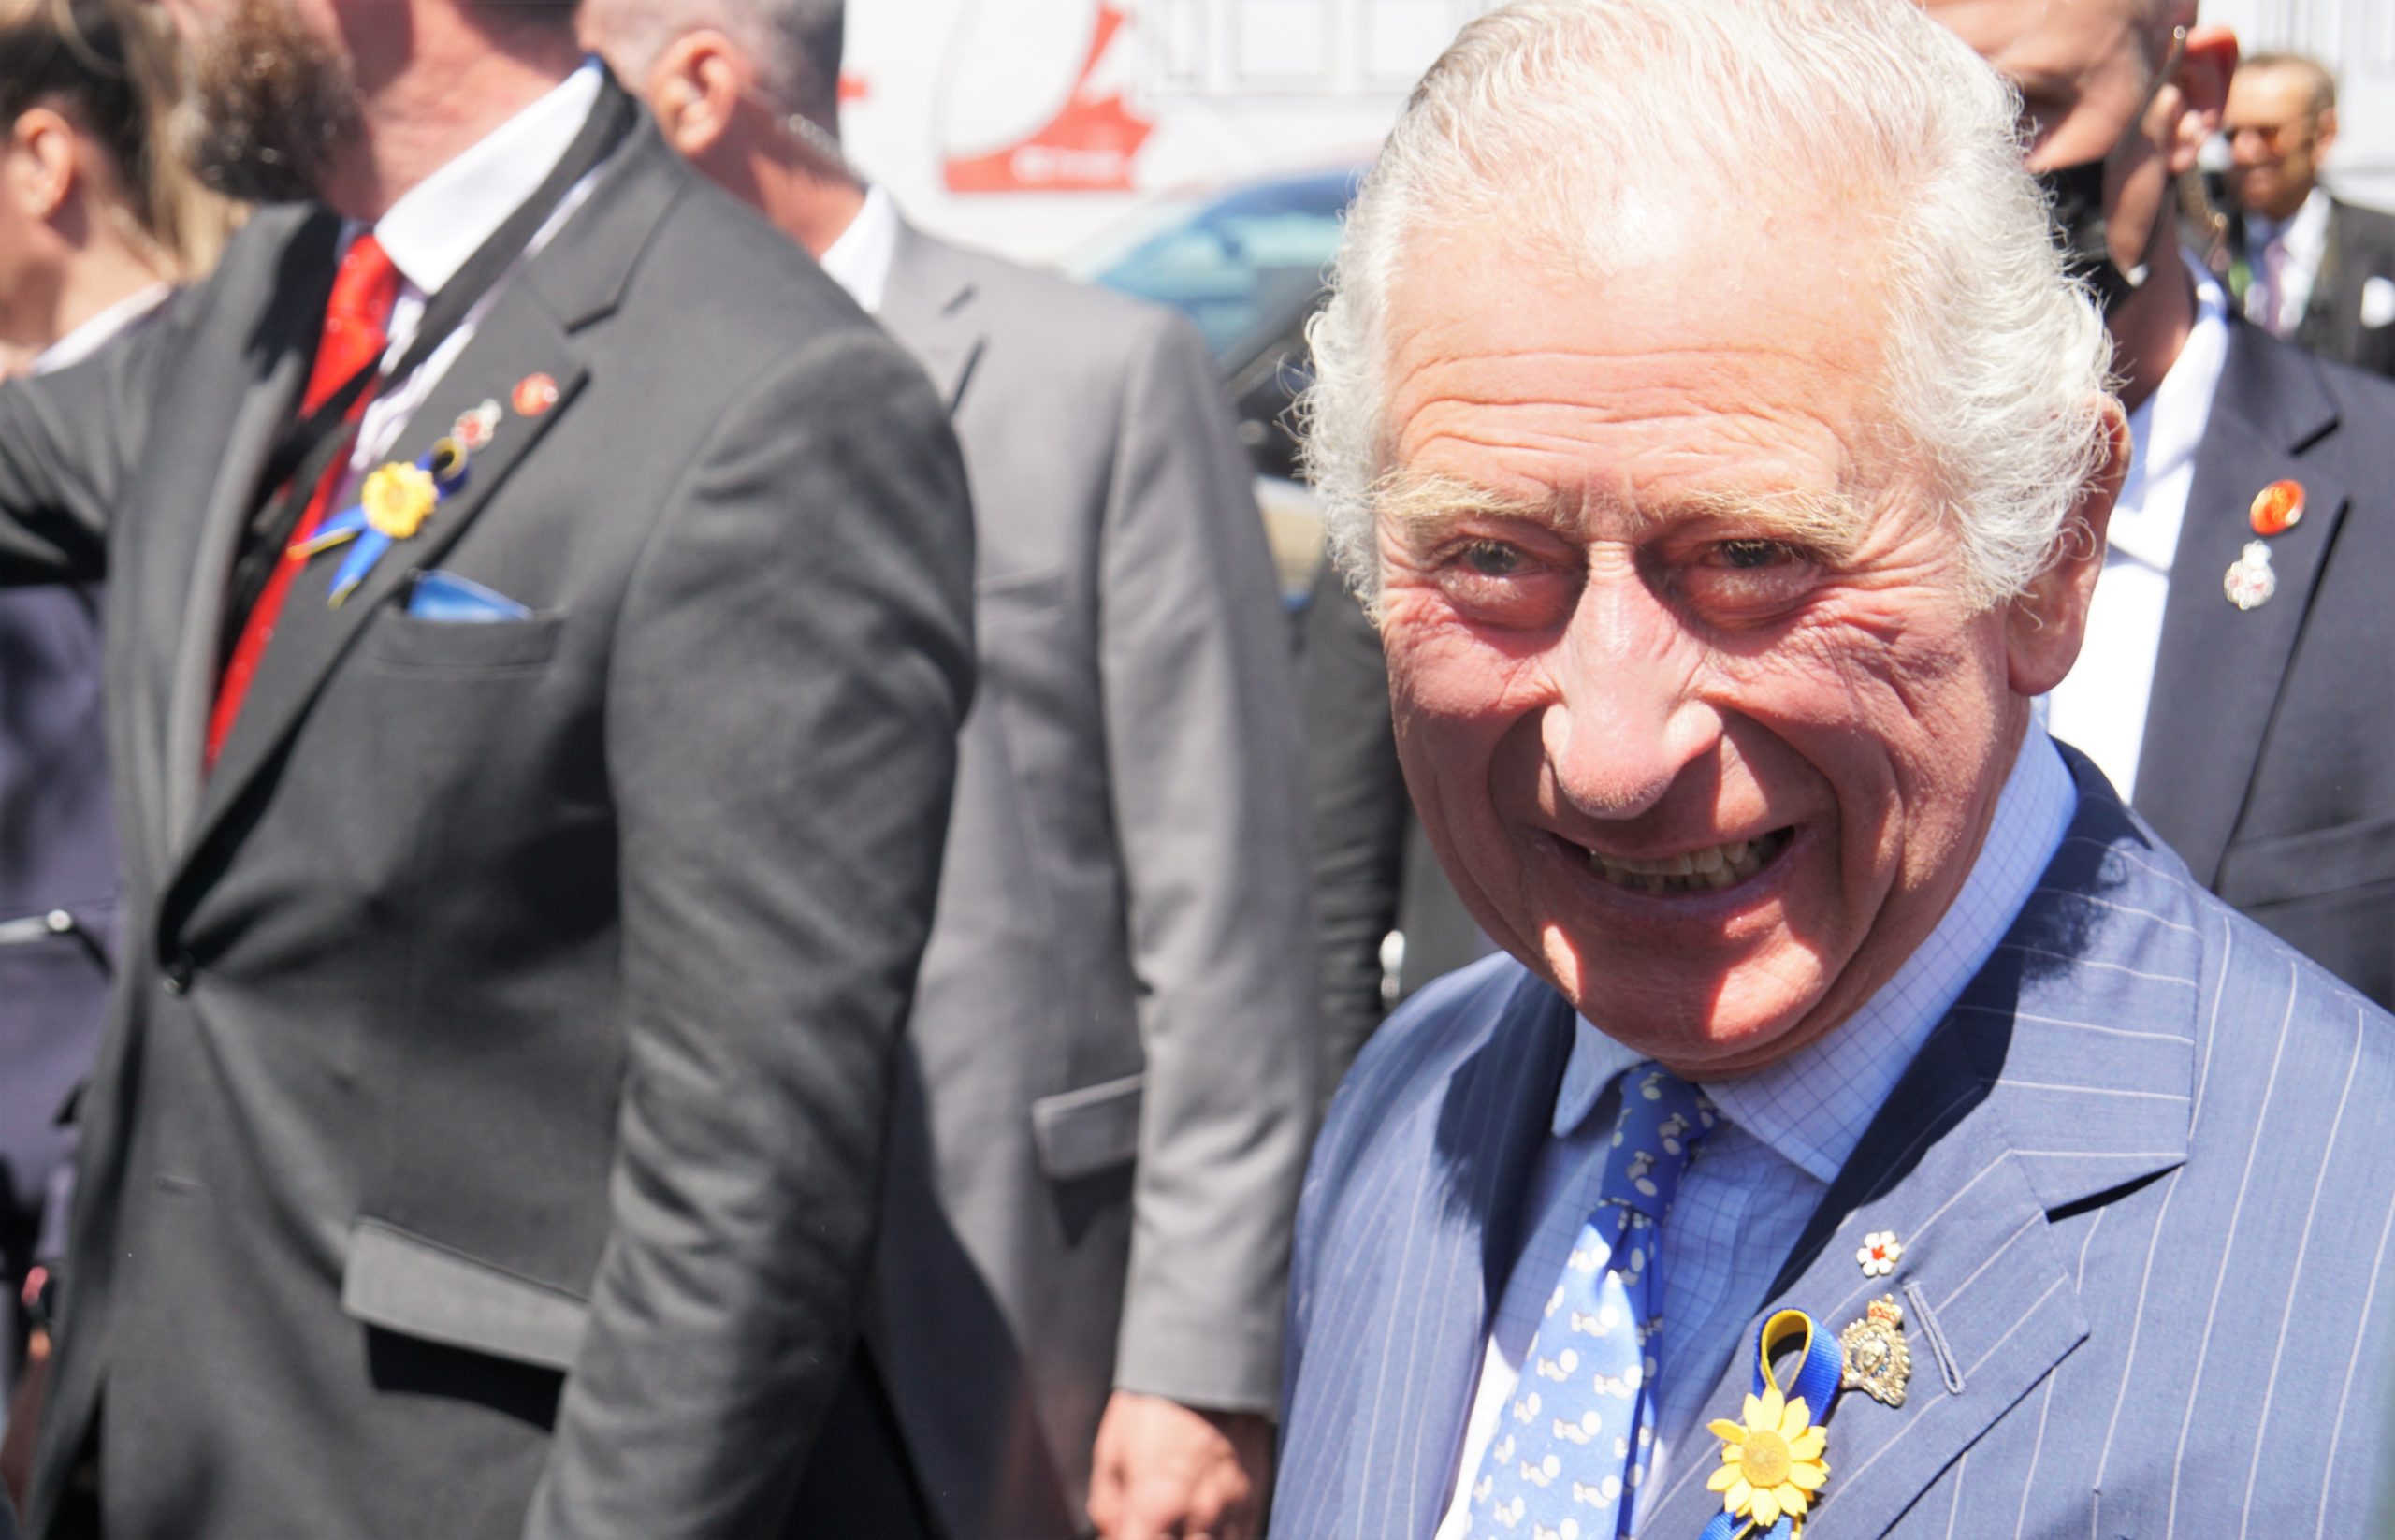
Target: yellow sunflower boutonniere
(398,500)
(1771,1463)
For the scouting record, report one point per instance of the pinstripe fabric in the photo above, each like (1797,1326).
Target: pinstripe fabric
(2140,1171)
(1788,1129)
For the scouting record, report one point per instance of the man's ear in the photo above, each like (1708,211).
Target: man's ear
(2205,68)
(2044,625)
(2323,133)
(41,162)
(694,90)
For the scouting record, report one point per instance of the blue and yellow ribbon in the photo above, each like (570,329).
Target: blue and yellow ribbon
(392,505)
(1773,1465)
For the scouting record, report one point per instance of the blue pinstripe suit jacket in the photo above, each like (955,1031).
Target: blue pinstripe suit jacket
(2144,1173)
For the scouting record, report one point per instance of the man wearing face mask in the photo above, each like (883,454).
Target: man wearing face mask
(2232,680)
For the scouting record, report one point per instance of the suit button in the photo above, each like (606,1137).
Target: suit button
(179,972)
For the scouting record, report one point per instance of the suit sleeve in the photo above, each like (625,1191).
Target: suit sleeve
(1201,740)
(1357,795)
(67,444)
(792,664)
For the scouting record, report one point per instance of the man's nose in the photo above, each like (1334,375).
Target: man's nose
(1628,716)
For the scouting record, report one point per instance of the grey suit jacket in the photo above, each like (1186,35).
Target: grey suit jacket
(1111,1070)
(515,1004)
(2140,1173)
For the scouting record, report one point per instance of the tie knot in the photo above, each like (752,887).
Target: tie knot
(365,285)
(357,319)
(1663,1116)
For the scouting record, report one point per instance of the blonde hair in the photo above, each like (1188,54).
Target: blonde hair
(110,66)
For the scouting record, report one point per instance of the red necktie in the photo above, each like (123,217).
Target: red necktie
(357,331)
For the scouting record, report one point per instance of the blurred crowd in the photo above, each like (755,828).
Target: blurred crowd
(678,861)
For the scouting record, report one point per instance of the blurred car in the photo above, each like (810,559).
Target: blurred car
(1246,265)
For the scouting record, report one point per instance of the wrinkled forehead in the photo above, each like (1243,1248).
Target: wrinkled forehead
(1728,357)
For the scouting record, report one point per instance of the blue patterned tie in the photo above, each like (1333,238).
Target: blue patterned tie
(1572,1445)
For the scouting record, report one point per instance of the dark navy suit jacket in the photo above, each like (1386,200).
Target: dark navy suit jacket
(2268,756)
(2140,1172)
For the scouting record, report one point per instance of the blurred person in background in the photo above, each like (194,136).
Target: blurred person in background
(524,894)
(1110,1082)
(2233,681)
(2302,264)
(99,217)
(1386,919)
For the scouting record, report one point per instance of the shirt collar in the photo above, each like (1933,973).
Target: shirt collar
(1812,1107)
(444,218)
(859,261)
(2304,234)
(2167,429)
(98,331)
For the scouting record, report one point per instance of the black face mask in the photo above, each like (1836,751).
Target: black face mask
(2075,209)
(2075,205)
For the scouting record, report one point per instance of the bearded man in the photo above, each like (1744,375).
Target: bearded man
(518,920)
(1705,412)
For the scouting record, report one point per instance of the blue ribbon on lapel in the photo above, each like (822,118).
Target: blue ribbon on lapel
(444,466)
(1817,1382)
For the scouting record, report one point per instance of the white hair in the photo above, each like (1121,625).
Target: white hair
(1549,124)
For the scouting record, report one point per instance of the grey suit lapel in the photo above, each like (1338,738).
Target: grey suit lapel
(517,339)
(528,330)
(1390,1359)
(928,306)
(2218,672)
(286,345)
(2063,1075)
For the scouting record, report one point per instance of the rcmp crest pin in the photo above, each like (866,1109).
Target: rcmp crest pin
(1879,1360)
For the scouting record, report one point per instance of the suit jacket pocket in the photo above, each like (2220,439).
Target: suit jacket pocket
(1082,1132)
(403,1283)
(403,641)
(2309,865)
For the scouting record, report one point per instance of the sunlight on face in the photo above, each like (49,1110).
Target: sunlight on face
(1688,689)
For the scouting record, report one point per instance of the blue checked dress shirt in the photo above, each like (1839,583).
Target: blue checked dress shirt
(1784,1133)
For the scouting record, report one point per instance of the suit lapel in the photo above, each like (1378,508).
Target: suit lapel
(2217,674)
(529,328)
(286,345)
(928,306)
(1490,1126)
(1975,1239)
(517,338)
(2062,1074)
(1390,1363)
(2330,314)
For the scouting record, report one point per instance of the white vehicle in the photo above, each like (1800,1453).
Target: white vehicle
(1028,127)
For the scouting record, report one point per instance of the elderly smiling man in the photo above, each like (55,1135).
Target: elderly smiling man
(1705,411)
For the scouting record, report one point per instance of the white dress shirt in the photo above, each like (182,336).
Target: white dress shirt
(859,261)
(1785,1131)
(2099,709)
(101,329)
(441,221)
(2302,238)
